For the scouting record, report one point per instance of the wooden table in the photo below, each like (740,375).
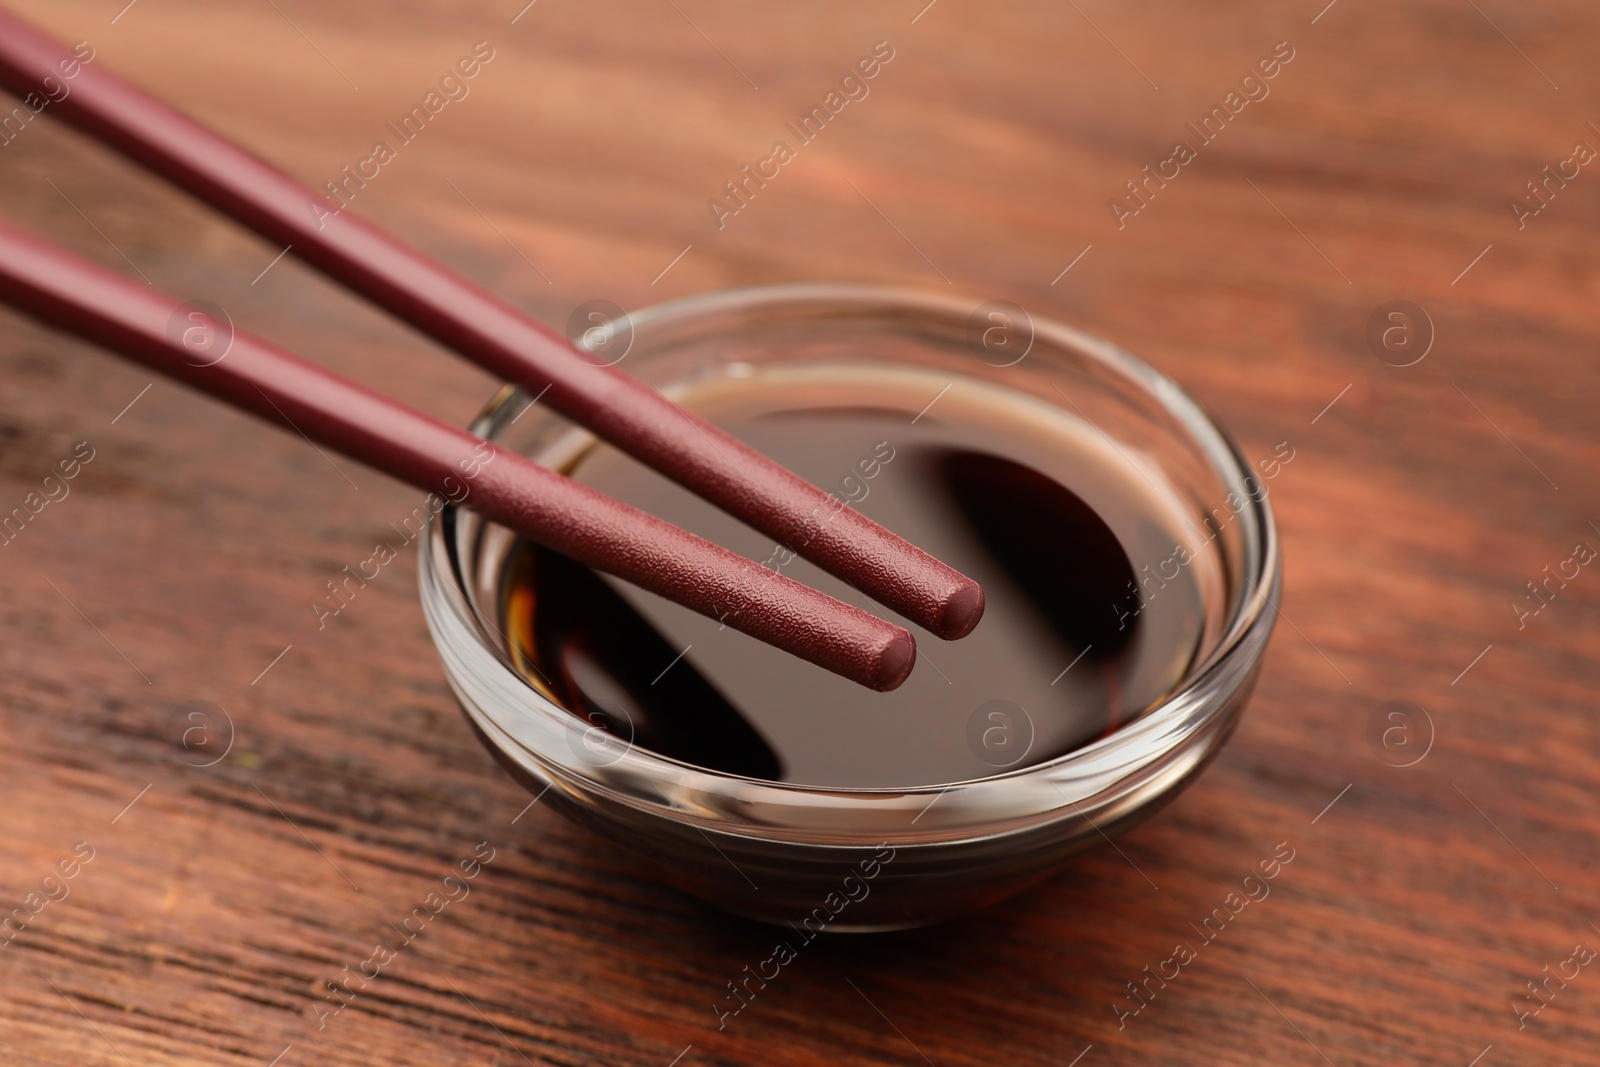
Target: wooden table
(1382,165)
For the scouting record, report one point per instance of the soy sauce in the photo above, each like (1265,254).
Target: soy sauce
(1097,591)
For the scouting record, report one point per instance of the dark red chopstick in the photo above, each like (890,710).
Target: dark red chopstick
(464,317)
(133,320)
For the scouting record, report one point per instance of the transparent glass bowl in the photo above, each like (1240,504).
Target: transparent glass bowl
(821,858)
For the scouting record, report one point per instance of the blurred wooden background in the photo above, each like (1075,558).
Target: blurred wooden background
(220,904)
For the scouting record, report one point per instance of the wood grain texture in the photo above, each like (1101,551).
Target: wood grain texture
(217,908)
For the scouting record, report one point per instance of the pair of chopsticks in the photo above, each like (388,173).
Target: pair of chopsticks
(133,320)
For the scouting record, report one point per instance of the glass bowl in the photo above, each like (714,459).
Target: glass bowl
(833,859)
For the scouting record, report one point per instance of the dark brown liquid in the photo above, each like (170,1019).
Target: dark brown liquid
(1092,614)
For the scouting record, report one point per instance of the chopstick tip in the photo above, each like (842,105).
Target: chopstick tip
(895,663)
(961,613)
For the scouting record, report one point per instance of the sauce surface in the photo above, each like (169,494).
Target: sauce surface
(1094,591)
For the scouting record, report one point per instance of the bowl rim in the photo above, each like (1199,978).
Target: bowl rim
(643,779)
